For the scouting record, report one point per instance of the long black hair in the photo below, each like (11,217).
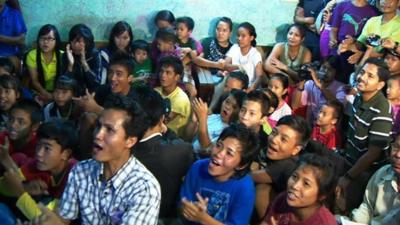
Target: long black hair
(252,31)
(119,28)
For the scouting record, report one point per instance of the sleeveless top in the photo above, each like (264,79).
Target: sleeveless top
(298,60)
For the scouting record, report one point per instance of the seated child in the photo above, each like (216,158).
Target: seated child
(287,139)
(9,95)
(143,65)
(324,130)
(57,140)
(219,190)
(279,84)
(7,68)
(274,103)
(393,95)
(308,187)
(63,107)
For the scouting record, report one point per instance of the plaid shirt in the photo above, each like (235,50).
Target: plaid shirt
(131,196)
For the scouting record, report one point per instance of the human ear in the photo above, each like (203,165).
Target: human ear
(66,154)
(381,84)
(130,78)
(334,121)
(130,142)
(297,149)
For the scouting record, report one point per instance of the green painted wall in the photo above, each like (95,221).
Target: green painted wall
(100,15)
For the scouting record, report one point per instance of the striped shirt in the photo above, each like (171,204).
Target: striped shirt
(131,196)
(370,125)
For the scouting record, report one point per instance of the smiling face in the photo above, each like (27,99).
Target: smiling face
(8,97)
(294,37)
(244,38)
(120,79)
(222,32)
(368,79)
(225,159)
(47,42)
(19,125)
(283,143)
(50,156)
(122,41)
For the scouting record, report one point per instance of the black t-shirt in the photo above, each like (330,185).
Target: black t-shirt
(213,51)
(104,90)
(280,171)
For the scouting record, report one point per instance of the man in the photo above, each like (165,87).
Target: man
(113,187)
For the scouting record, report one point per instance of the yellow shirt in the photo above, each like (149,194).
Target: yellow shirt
(180,105)
(49,70)
(388,30)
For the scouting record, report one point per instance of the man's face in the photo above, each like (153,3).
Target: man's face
(368,79)
(110,140)
(19,125)
(120,79)
(168,77)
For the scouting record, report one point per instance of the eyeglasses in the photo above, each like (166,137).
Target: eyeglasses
(46,39)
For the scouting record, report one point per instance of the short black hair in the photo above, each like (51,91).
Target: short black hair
(136,124)
(124,60)
(31,107)
(7,65)
(66,83)
(283,78)
(62,131)
(261,98)
(298,124)
(273,99)
(82,31)
(239,97)
(252,31)
(226,20)
(338,108)
(188,21)
(165,15)
(167,35)
(383,69)
(299,27)
(238,75)
(248,141)
(152,103)
(140,44)
(11,82)
(174,62)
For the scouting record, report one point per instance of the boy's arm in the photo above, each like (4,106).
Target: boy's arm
(17,40)
(261,177)
(29,207)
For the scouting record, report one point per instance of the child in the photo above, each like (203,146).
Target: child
(325,129)
(143,64)
(166,44)
(287,139)
(308,187)
(219,190)
(393,95)
(120,40)
(7,68)
(9,95)
(163,19)
(44,63)
(63,107)
(274,102)
(279,84)
(57,140)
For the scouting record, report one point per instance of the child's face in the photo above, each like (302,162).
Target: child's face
(393,63)
(276,86)
(47,42)
(251,115)
(232,83)
(122,40)
(393,90)
(78,45)
(326,116)
(119,79)
(294,37)
(19,125)
(222,32)
(168,77)
(182,31)
(283,143)
(164,46)
(225,159)
(8,97)
(244,38)
(62,96)
(302,188)
(229,106)
(50,156)
(140,56)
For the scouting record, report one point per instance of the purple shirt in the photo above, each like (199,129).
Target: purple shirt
(396,120)
(314,99)
(350,19)
(11,25)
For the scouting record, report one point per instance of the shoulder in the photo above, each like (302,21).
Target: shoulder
(180,94)
(381,106)
(324,216)
(85,168)
(31,57)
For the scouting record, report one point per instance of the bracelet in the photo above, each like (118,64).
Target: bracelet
(347,176)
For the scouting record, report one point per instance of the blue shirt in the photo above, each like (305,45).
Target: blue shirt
(230,202)
(12,25)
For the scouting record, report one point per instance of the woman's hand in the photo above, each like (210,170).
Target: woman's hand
(70,56)
(278,64)
(195,211)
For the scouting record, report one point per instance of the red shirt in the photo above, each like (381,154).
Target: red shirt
(283,214)
(330,139)
(23,155)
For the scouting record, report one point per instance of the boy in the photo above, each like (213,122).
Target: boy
(57,140)
(171,69)
(62,107)
(219,190)
(287,139)
(143,64)
(393,95)
(324,130)
(25,118)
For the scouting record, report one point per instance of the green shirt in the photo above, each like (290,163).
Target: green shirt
(142,69)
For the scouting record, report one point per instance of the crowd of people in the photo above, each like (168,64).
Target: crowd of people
(308,134)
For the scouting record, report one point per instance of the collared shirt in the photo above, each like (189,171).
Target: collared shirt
(12,25)
(131,196)
(370,125)
(381,203)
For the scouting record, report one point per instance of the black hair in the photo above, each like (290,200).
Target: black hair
(338,108)
(165,15)
(298,124)
(249,143)
(119,28)
(333,62)
(394,77)
(283,78)
(152,103)
(188,21)
(11,82)
(383,70)
(299,27)
(174,62)
(238,75)
(167,35)
(261,98)
(44,30)
(252,31)
(61,131)
(124,60)
(135,124)
(226,20)
(239,97)
(31,107)
(66,83)
(142,45)
(82,31)
(7,65)
(273,99)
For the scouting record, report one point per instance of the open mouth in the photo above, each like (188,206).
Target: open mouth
(97,147)
(272,150)
(214,163)
(291,196)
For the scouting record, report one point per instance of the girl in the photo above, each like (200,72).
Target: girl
(393,95)
(9,95)
(82,60)
(308,188)
(244,55)
(44,63)
(279,84)
(164,19)
(121,38)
